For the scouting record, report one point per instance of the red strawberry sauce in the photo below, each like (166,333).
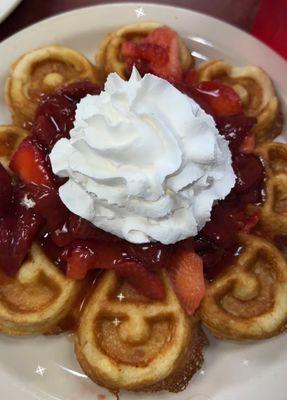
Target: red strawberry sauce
(75,245)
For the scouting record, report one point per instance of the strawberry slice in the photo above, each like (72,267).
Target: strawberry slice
(145,282)
(18,228)
(79,262)
(151,52)
(83,255)
(186,274)
(49,205)
(31,164)
(159,52)
(222,99)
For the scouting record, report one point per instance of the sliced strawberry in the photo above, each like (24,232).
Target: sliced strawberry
(248,144)
(6,191)
(31,163)
(145,282)
(79,262)
(168,39)
(223,100)
(17,231)
(49,205)
(159,52)
(90,254)
(186,275)
(153,53)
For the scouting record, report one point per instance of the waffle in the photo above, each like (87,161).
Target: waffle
(249,301)
(132,342)
(136,343)
(37,298)
(10,138)
(274,210)
(108,57)
(256,91)
(41,71)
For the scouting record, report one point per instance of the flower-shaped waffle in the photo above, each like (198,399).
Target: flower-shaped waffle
(256,91)
(249,301)
(126,341)
(110,57)
(42,71)
(274,210)
(37,298)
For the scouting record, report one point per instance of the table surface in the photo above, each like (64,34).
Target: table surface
(237,12)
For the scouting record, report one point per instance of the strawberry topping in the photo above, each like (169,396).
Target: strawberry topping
(31,164)
(76,245)
(186,274)
(18,228)
(158,54)
(222,99)
(145,282)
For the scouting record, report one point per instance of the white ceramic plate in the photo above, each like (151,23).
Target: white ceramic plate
(45,368)
(6,7)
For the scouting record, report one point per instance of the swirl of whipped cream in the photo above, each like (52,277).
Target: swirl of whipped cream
(144,161)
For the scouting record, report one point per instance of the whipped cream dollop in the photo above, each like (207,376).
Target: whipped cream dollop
(144,161)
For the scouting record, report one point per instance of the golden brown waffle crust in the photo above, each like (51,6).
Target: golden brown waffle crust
(49,76)
(249,301)
(108,369)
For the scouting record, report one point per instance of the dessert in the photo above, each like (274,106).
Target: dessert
(134,204)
